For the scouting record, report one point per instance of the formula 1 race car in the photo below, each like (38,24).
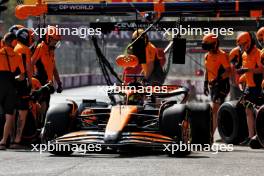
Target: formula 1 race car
(138,116)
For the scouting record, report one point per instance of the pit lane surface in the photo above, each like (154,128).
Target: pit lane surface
(242,161)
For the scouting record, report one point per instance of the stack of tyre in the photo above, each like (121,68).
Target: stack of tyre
(260,125)
(2,122)
(232,123)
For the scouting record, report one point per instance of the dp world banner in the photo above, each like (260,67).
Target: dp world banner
(32,2)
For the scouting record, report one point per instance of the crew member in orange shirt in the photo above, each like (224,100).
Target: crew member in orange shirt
(25,39)
(260,38)
(44,60)
(217,74)
(149,63)
(235,59)
(252,69)
(10,62)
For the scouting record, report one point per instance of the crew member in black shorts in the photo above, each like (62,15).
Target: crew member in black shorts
(10,63)
(217,74)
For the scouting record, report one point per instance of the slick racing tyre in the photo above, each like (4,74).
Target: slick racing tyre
(171,125)
(201,119)
(232,123)
(58,122)
(2,122)
(171,119)
(260,125)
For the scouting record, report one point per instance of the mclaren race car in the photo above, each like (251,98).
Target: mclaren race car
(138,116)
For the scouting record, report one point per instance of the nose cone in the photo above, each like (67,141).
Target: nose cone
(111,137)
(118,120)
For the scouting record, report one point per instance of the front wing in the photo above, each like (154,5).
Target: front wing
(143,139)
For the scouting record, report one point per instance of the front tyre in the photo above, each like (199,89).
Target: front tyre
(58,122)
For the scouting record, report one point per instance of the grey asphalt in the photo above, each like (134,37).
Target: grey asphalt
(241,161)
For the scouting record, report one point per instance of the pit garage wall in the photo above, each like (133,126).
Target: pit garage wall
(81,80)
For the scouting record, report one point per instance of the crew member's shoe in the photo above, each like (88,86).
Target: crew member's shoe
(246,142)
(2,146)
(254,143)
(17,146)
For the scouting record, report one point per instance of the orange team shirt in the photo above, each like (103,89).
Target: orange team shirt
(35,107)
(1,44)
(44,57)
(25,54)
(35,84)
(251,61)
(234,53)
(242,78)
(213,62)
(15,60)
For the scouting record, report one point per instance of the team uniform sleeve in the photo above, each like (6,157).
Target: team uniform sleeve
(36,55)
(260,60)
(19,63)
(225,61)
(152,51)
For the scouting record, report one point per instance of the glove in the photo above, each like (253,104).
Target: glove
(242,70)
(35,95)
(47,89)
(59,89)
(206,89)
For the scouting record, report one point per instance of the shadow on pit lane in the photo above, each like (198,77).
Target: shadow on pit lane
(160,155)
(113,154)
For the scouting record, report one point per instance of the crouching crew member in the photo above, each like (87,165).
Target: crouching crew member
(10,62)
(216,75)
(252,70)
(44,60)
(149,63)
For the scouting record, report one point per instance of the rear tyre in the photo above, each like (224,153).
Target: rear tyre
(260,125)
(232,123)
(2,122)
(201,120)
(58,123)
(171,120)
(171,125)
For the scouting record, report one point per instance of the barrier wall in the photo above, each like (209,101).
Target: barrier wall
(80,80)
